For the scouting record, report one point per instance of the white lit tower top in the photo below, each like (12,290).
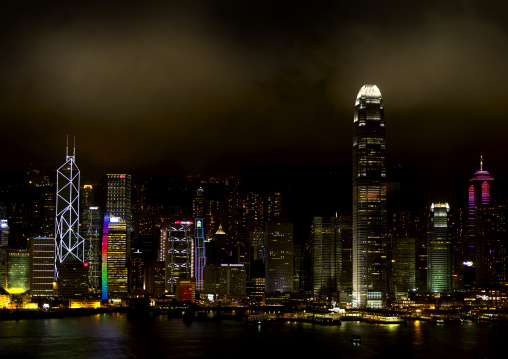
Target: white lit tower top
(69,245)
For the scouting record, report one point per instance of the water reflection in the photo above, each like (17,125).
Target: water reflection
(113,336)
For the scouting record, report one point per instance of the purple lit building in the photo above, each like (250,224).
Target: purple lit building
(480,195)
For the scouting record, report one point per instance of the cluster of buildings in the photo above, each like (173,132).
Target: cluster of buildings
(113,241)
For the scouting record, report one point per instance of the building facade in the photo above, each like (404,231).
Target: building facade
(439,249)
(42,266)
(369,199)
(279,256)
(114,258)
(69,244)
(476,250)
(326,256)
(179,255)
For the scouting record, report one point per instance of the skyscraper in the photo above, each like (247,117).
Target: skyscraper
(179,254)
(119,202)
(439,249)
(42,266)
(480,196)
(69,245)
(326,256)
(279,256)
(369,199)
(114,258)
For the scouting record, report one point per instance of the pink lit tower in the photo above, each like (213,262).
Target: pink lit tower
(480,196)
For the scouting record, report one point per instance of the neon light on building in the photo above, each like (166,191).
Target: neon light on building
(69,245)
(105,232)
(200,259)
(479,196)
(179,255)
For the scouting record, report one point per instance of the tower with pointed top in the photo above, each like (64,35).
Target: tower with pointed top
(369,199)
(480,196)
(69,245)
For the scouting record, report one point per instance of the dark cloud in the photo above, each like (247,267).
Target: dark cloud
(227,84)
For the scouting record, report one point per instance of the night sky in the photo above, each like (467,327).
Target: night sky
(236,87)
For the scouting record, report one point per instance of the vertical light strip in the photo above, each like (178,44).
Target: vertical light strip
(105,233)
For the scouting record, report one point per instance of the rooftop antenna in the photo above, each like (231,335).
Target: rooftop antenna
(67,147)
(481,160)
(74,150)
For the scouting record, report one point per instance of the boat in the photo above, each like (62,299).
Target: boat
(356,339)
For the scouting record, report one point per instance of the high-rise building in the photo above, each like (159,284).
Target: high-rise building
(279,256)
(403,264)
(119,201)
(346,248)
(42,266)
(480,196)
(114,258)
(179,254)
(199,257)
(91,229)
(439,249)
(18,272)
(369,199)
(69,245)
(326,256)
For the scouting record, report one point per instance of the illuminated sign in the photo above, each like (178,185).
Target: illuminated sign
(114,219)
(199,224)
(468,263)
(182,222)
(122,176)
(94,208)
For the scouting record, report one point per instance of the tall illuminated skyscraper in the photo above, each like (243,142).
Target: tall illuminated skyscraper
(480,195)
(369,199)
(69,245)
(439,249)
(119,201)
(114,258)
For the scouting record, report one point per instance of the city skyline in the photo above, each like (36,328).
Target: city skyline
(253,86)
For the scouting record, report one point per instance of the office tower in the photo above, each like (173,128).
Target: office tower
(346,248)
(42,266)
(119,201)
(4,232)
(70,264)
(480,196)
(154,278)
(279,256)
(91,230)
(369,199)
(199,256)
(198,204)
(137,273)
(403,264)
(439,249)
(69,245)
(326,256)
(225,281)
(114,258)
(179,255)
(492,246)
(18,271)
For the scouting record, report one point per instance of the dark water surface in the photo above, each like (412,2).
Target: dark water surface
(113,336)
